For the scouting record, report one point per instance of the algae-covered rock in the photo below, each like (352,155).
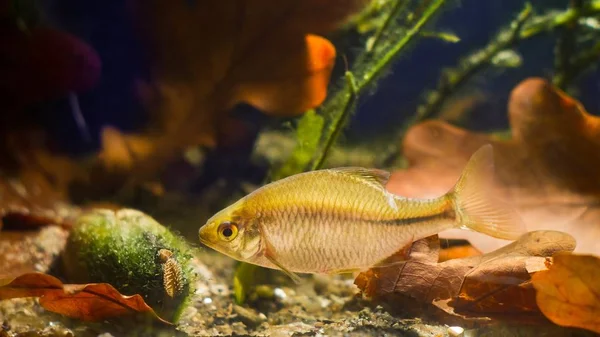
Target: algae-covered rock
(135,254)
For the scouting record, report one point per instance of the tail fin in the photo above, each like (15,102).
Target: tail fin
(474,204)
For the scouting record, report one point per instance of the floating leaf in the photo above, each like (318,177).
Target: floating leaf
(87,302)
(568,293)
(548,170)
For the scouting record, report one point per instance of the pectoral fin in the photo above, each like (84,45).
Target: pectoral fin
(272,256)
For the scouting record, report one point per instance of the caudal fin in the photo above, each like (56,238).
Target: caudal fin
(475,206)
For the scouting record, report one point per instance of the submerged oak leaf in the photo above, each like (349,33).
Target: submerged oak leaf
(494,285)
(209,56)
(547,170)
(29,200)
(30,251)
(87,302)
(34,182)
(568,293)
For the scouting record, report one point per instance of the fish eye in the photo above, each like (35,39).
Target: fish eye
(228,231)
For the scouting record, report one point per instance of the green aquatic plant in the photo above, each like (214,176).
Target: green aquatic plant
(404,21)
(307,133)
(131,251)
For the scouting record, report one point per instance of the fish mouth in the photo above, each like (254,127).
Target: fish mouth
(203,241)
(206,242)
(206,237)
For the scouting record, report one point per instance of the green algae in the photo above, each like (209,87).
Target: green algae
(126,249)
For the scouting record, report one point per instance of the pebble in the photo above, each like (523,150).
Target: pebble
(456,331)
(279,294)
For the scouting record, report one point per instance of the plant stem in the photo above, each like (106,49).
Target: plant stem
(547,23)
(340,116)
(565,48)
(452,79)
(398,7)
(390,55)
(337,124)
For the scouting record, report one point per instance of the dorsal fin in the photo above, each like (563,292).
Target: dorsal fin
(374,177)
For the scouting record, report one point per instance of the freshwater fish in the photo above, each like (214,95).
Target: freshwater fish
(344,220)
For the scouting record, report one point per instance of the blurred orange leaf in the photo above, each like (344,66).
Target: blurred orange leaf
(208,56)
(568,293)
(87,302)
(457,252)
(30,251)
(548,170)
(30,201)
(495,285)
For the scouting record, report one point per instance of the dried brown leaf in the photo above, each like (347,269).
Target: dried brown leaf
(34,183)
(29,201)
(30,251)
(88,302)
(495,285)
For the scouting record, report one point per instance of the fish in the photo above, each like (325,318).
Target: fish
(343,220)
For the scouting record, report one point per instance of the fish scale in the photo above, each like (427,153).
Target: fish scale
(291,228)
(344,219)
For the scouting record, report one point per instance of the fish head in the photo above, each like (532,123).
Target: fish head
(233,233)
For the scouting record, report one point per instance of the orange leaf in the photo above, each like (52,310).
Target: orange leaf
(34,183)
(88,302)
(208,56)
(568,293)
(451,253)
(548,170)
